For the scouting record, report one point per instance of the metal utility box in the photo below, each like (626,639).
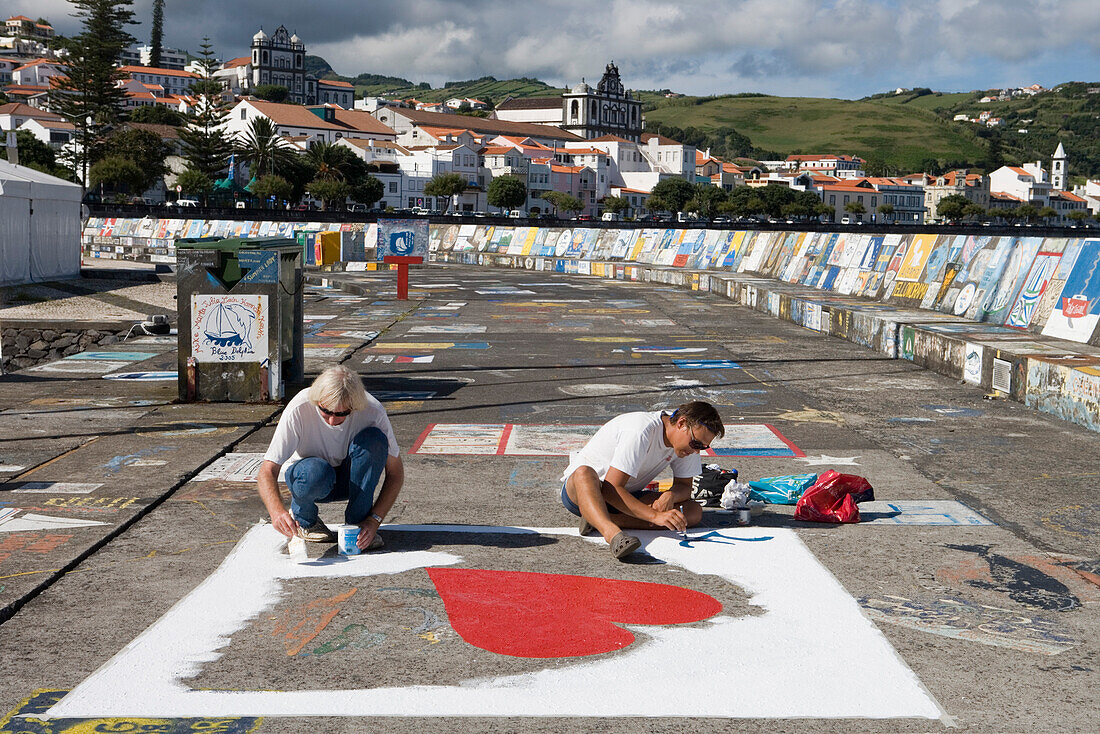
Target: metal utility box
(241,335)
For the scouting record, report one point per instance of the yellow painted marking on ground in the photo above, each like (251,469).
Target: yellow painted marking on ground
(609,339)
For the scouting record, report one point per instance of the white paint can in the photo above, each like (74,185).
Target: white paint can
(346,537)
(744,516)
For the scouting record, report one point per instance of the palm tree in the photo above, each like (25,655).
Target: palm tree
(326,158)
(262,149)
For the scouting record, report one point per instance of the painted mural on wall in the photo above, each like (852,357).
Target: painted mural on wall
(402,238)
(1047,285)
(1078,307)
(229,328)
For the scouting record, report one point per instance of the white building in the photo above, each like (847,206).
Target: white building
(332,91)
(55,133)
(14,114)
(279,59)
(1028,183)
(236,75)
(172,81)
(422,164)
(609,109)
(37,72)
(669,156)
(328,124)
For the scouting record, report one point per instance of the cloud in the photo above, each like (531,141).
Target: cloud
(818,47)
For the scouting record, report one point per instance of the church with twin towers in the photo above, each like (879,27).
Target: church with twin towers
(607,109)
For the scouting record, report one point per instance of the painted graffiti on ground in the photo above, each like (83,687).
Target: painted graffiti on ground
(514,439)
(919,512)
(1080,521)
(399,358)
(541,615)
(235,467)
(297,627)
(12,522)
(21,720)
(1029,581)
(964,620)
(56,487)
(147,677)
(39,543)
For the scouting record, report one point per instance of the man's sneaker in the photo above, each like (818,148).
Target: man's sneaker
(584,527)
(376,543)
(316,533)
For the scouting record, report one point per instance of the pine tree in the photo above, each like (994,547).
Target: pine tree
(156,40)
(205,145)
(89,95)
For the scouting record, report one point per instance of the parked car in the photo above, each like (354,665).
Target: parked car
(358,208)
(187,202)
(585,218)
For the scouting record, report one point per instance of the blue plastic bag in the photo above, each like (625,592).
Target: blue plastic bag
(784,490)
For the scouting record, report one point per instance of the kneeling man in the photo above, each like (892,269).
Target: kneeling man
(605,482)
(338,442)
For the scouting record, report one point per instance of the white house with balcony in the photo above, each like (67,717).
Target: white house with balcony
(669,156)
(419,165)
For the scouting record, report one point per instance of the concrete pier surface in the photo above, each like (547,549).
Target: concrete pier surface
(139,585)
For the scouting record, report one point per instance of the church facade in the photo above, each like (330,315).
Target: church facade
(609,109)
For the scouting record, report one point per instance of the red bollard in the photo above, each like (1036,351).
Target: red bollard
(403,262)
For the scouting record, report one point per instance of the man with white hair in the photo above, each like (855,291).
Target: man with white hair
(337,442)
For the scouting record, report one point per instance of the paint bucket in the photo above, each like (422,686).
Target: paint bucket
(744,516)
(346,536)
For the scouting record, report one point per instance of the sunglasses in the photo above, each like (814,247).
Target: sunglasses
(694,443)
(334,413)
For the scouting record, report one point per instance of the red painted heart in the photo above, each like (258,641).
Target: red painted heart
(542,615)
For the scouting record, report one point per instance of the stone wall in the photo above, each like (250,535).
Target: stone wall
(29,345)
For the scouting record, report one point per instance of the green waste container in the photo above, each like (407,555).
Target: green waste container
(241,336)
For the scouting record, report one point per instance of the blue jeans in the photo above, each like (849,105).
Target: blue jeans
(312,480)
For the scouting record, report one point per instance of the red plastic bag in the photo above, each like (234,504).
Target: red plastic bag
(833,498)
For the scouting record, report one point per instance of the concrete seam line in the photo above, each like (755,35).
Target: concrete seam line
(11,609)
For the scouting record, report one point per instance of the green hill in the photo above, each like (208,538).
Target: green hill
(894,133)
(893,137)
(904,132)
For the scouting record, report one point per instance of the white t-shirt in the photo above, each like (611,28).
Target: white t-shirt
(302,432)
(633,443)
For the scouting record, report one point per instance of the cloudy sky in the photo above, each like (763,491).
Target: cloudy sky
(815,48)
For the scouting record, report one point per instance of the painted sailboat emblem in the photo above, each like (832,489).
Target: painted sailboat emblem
(229,325)
(1074,307)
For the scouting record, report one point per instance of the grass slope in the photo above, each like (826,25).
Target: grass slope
(903,136)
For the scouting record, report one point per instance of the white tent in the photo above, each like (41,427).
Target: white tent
(39,226)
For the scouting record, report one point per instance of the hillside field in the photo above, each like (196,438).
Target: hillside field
(904,136)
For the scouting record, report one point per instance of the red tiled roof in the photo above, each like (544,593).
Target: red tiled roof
(37,62)
(610,139)
(529,103)
(292,115)
(157,70)
(1068,196)
(1020,171)
(362,121)
(336,83)
(239,61)
(55,124)
(483,125)
(661,139)
(25,110)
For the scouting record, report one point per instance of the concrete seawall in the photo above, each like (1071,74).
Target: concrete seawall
(1014,315)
